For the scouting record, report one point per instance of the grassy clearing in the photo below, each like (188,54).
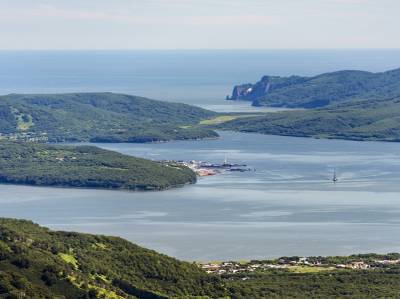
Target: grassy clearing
(69,259)
(218,120)
(24,121)
(306,269)
(104,293)
(101,292)
(99,246)
(224,118)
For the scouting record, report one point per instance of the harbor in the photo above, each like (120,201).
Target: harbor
(203,169)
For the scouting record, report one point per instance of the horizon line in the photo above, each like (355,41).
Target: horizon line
(196,49)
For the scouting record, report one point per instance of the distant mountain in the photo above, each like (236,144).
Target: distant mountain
(28,163)
(357,120)
(319,91)
(98,117)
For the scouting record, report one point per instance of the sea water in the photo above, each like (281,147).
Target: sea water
(286,205)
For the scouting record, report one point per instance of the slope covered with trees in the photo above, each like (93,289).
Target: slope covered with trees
(86,167)
(39,263)
(99,117)
(321,90)
(357,120)
(360,284)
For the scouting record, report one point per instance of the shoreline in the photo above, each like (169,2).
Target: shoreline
(138,190)
(312,137)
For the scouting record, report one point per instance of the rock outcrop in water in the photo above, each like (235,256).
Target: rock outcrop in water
(250,92)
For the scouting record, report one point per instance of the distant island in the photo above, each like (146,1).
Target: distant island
(319,91)
(36,262)
(98,117)
(34,164)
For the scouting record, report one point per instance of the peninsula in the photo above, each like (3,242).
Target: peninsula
(35,164)
(98,117)
(372,120)
(352,105)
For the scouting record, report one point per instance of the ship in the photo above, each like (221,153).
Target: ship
(334,178)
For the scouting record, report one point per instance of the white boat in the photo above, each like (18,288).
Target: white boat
(334,178)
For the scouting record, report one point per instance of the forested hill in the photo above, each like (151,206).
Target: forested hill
(359,120)
(321,90)
(38,263)
(85,167)
(98,117)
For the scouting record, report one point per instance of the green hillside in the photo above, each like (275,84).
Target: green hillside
(98,117)
(321,90)
(39,263)
(354,284)
(86,167)
(358,120)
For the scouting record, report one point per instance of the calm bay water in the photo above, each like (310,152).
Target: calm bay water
(287,206)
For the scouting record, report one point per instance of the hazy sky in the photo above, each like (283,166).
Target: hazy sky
(183,24)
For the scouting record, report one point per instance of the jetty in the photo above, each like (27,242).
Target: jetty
(202,168)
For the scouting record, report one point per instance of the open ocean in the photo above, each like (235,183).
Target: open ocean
(200,77)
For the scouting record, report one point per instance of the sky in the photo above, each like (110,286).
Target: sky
(199,24)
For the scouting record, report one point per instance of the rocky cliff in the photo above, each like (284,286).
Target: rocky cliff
(250,92)
(319,91)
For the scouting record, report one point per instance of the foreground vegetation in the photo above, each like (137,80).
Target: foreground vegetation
(321,90)
(377,120)
(85,166)
(38,263)
(328,284)
(99,117)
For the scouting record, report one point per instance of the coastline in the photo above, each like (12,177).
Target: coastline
(312,136)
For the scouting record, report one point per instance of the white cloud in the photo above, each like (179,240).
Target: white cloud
(52,12)
(200,23)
